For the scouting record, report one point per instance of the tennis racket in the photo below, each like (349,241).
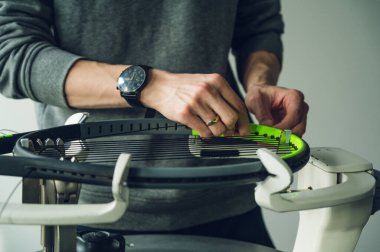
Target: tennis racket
(87,152)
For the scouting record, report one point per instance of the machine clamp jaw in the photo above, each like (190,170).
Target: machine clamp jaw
(37,214)
(334,196)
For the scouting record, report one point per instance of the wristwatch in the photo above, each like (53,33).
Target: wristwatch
(131,82)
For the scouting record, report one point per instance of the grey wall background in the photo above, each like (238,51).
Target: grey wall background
(18,116)
(332,54)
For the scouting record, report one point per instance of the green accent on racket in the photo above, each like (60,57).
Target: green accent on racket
(267,135)
(6,136)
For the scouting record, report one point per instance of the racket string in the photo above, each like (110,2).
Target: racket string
(170,148)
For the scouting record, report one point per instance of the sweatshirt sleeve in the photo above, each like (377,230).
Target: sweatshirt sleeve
(258,27)
(31,64)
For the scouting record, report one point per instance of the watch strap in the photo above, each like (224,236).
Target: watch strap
(145,67)
(133,99)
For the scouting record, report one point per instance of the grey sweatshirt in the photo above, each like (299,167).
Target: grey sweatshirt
(41,39)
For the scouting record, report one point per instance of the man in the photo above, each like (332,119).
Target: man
(68,55)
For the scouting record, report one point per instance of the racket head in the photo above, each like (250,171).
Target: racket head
(199,174)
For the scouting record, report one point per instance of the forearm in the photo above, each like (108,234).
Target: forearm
(91,84)
(261,68)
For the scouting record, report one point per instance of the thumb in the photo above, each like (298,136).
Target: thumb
(266,121)
(261,108)
(264,116)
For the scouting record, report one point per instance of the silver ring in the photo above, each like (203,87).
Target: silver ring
(214,121)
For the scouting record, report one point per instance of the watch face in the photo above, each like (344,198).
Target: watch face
(131,79)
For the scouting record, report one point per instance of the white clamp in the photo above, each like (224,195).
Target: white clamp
(36,214)
(272,192)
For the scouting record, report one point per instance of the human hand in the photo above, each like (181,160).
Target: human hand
(195,100)
(278,107)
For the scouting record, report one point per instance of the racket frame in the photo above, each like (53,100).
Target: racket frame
(149,177)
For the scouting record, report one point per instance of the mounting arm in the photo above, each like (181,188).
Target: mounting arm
(36,214)
(336,185)
(272,192)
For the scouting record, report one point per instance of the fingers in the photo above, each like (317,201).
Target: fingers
(260,105)
(215,106)
(207,115)
(300,128)
(188,117)
(197,124)
(214,98)
(230,107)
(279,107)
(295,112)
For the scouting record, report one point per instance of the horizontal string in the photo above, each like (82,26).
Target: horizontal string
(186,141)
(156,156)
(175,149)
(169,148)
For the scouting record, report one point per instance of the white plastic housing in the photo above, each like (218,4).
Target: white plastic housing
(337,188)
(36,214)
